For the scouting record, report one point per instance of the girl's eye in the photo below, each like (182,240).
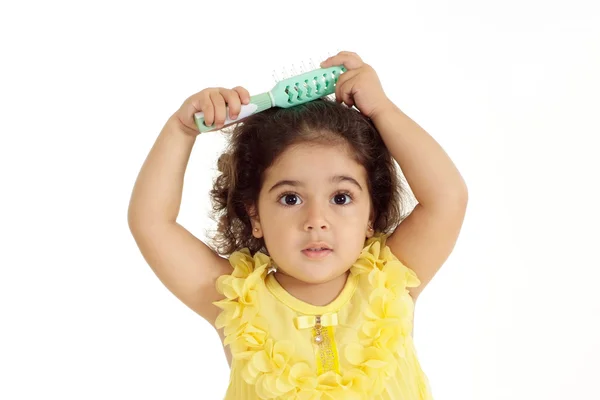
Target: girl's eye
(342,199)
(289,200)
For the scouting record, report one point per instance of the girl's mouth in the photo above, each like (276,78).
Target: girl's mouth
(316,253)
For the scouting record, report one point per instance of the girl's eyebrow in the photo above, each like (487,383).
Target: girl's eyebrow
(334,179)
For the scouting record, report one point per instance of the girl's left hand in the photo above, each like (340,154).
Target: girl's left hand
(359,85)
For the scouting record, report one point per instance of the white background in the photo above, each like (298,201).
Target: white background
(510,89)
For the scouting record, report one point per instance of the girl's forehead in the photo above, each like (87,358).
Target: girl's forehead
(316,153)
(314,162)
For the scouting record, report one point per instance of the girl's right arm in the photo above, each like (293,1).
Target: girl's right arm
(185,265)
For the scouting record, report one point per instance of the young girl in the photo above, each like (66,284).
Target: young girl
(315,299)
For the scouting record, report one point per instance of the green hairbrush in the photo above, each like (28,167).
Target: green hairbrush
(287,93)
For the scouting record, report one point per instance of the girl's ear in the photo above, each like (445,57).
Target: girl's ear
(371,214)
(370,231)
(251,211)
(255,221)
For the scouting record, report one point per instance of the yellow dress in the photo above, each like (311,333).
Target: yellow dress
(359,346)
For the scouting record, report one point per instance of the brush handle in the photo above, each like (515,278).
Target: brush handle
(258,103)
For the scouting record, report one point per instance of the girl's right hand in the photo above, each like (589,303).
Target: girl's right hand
(213,102)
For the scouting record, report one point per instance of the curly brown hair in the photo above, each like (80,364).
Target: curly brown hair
(258,140)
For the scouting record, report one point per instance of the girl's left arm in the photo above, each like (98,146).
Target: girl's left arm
(426,238)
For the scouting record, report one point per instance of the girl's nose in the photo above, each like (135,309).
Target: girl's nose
(316,219)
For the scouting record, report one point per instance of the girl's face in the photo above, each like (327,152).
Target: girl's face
(314,196)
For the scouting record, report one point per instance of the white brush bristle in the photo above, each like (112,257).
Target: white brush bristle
(288,73)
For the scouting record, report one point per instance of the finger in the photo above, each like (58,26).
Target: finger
(347,91)
(200,102)
(220,108)
(340,85)
(244,94)
(347,60)
(351,54)
(232,98)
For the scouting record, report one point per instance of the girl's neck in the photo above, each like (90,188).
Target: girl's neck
(317,294)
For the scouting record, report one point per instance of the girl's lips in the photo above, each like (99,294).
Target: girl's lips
(316,254)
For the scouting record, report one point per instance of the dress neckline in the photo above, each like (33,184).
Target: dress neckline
(310,309)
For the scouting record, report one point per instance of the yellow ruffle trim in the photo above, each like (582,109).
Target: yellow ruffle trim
(273,367)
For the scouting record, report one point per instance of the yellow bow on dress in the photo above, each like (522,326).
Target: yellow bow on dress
(309,321)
